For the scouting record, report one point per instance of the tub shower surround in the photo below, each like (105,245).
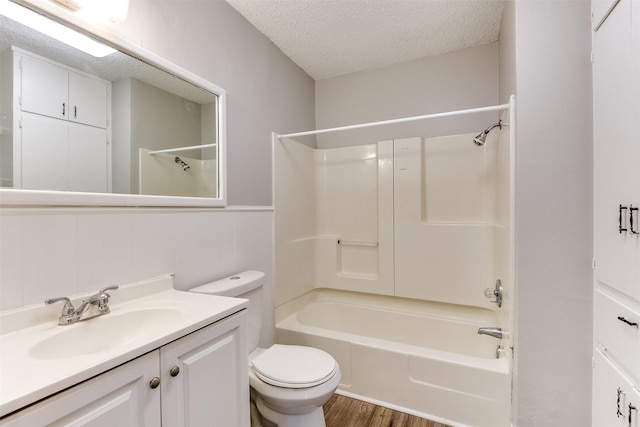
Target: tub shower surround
(383,255)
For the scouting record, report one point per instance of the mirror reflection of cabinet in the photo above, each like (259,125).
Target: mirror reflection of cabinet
(62,129)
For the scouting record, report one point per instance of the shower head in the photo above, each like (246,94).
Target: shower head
(481,138)
(182,163)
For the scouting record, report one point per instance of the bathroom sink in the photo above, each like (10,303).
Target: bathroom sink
(104,333)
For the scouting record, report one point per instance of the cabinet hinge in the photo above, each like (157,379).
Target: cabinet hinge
(20,123)
(20,101)
(593,263)
(593,57)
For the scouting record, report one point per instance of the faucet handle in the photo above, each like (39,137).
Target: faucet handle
(495,294)
(490,293)
(108,288)
(67,309)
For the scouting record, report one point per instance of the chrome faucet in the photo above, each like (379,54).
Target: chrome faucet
(95,305)
(494,332)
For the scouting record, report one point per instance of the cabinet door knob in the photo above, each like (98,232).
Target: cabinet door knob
(174,371)
(155,382)
(64,109)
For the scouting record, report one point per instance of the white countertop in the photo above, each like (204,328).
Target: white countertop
(27,375)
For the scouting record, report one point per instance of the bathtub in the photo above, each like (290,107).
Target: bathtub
(420,357)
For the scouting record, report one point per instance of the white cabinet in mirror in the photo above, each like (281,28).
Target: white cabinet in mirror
(125,129)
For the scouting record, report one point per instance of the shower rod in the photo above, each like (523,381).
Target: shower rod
(394,121)
(177,149)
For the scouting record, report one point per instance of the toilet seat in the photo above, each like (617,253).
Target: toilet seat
(292,366)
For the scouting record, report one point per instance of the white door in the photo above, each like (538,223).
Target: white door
(121,397)
(616,153)
(205,377)
(45,88)
(87,100)
(88,159)
(44,153)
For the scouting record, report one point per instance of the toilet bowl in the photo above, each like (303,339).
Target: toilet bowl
(289,384)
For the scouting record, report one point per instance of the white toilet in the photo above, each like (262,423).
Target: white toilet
(289,383)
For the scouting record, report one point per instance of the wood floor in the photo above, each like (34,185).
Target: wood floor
(341,411)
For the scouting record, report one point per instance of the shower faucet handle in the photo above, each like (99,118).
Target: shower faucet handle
(495,294)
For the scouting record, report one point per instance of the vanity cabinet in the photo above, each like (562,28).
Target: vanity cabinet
(616,99)
(61,127)
(119,397)
(205,377)
(198,380)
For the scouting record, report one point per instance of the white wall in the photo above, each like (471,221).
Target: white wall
(295,205)
(544,51)
(453,81)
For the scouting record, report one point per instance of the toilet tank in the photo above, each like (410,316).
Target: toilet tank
(248,285)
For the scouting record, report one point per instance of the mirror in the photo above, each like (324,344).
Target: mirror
(112,130)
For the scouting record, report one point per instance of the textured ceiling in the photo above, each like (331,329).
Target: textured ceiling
(327,38)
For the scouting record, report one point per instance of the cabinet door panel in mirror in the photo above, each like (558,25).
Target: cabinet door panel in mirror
(87,100)
(88,154)
(44,88)
(44,153)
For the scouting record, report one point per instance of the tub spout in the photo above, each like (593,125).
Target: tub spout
(494,332)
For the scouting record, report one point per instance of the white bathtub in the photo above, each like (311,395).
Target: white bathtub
(420,357)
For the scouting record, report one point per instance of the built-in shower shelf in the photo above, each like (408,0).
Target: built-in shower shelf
(356,243)
(463,224)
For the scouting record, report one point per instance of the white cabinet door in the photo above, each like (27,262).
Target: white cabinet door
(120,397)
(212,385)
(87,100)
(44,154)
(88,154)
(45,88)
(616,151)
(54,91)
(614,396)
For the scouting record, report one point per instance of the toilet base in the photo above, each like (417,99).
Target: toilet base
(314,418)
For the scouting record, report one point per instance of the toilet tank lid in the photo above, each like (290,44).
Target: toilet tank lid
(234,285)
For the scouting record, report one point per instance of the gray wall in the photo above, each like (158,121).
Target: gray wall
(551,74)
(459,80)
(266,90)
